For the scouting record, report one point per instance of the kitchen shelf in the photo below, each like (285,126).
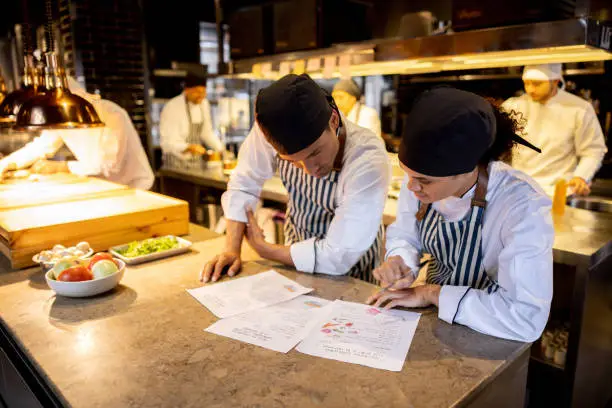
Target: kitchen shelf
(536,355)
(170,73)
(477,77)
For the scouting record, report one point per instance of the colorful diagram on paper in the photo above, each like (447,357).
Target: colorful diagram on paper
(312,303)
(338,327)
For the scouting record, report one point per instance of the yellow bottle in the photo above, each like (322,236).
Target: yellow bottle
(560,197)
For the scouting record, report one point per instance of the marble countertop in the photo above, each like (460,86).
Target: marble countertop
(143,344)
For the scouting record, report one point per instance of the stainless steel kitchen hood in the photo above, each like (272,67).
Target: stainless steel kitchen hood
(576,40)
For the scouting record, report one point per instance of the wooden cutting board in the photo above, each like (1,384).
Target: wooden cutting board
(35,194)
(41,180)
(103,222)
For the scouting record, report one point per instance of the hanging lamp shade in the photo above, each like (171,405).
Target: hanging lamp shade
(11,104)
(56,107)
(2,89)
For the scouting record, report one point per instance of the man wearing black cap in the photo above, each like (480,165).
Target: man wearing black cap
(486,225)
(185,124)
(336,173)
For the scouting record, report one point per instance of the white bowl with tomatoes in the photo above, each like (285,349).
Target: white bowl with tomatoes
(85,277)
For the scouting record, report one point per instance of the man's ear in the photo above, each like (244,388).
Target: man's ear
(334,120)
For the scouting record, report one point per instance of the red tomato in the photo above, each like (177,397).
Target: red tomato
(75,274)
(98,257)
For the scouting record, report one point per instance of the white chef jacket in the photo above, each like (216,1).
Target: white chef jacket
(113,152)
(361,194)
(365,117)
(174,126)
(517,240)
(568,132)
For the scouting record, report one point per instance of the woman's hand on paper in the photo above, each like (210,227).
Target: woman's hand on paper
(394,274)
(420,296)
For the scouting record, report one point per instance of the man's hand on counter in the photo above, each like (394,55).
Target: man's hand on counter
(226,262)
(580,186)
(195,149)
(229,261)
(49,167)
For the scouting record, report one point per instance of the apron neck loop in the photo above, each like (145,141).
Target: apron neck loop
(342,142)
(188,110)
(422,211)
(479,199)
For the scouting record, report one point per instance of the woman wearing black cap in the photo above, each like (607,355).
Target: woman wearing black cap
(337,176)
(486,225)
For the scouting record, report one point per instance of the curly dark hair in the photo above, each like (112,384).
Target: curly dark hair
(509,124)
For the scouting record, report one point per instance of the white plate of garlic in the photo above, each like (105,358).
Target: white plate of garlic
(49,257)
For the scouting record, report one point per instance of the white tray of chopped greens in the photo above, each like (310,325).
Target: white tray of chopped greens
(150,249)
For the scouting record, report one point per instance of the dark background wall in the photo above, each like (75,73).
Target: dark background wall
(386,15)
(172,30)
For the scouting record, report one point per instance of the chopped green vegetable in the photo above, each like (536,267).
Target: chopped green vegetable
(149,246)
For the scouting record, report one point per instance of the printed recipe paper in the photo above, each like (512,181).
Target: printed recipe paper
(362,334)
(241,295)
(279,327)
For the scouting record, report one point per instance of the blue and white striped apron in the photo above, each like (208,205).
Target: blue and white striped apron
(456,247)
(311,208)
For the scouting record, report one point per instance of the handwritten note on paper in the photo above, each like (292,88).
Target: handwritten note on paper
(279,327)
(362,334)
(242,295)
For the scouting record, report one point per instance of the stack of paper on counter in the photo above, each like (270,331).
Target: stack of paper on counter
(272,311)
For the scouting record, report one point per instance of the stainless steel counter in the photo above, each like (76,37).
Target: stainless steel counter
(580,234)
(272,189)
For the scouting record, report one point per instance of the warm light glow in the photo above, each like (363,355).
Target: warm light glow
(518,58)
(85,341)
(568,54)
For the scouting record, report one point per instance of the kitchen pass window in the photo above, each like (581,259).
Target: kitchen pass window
(209,46)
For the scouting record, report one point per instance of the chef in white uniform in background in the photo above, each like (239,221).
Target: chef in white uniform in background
(113,152)
(347,96)
(487,226)
(563,125)
(186,130)
(336,174)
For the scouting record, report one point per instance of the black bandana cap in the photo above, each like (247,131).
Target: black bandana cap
(447,132)
(293,112)
(192,80)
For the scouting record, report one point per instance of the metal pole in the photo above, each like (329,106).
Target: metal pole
(220,37)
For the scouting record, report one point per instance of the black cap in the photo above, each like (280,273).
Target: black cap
(447,132)
(293,112)
(192,80)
